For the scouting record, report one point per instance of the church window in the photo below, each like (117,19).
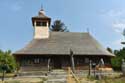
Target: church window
(38,23)
(36,61)
(44,24)
(86,60)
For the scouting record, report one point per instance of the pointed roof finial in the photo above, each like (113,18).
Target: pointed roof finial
(42,7)
(41,12)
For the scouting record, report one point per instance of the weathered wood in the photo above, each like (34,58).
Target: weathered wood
(48,64)
(69,76)
(72,77)
(72,62)
(59,62)
(90,67)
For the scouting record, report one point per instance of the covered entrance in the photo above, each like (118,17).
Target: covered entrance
(57,62)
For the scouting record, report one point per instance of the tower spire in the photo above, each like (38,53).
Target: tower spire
(41,12)
(42,7)
(41,24)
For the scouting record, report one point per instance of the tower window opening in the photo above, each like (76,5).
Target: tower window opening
(41,23)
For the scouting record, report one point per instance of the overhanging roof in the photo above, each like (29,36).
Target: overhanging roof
(60,43)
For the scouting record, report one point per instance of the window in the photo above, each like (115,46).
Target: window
(36,61)
(44,24)
(41,23)
(86,60)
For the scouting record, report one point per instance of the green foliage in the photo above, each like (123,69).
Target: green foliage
(112,80)
(15,81)
(109,49)
(91,78)
(58,26)
(123,33)
(117,61)
(6,59)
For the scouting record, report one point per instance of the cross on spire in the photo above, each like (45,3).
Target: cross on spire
(41,7)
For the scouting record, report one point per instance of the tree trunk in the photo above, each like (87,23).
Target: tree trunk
(3,75)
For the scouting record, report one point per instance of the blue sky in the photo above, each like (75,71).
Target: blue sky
(104,18)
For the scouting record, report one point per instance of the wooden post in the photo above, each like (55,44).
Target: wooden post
(69,76)
(72,61)
(48,64)
(90,67)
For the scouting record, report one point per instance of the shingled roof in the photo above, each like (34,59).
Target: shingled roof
(60,43)
(41,15)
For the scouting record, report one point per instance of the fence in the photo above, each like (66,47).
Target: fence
(74,77)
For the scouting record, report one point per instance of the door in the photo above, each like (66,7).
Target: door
(57,62)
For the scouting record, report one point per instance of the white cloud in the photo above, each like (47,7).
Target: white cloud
(118,27)
(117,43)
(112,13)
(114,19)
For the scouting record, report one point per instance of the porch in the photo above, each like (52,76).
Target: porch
(47,63)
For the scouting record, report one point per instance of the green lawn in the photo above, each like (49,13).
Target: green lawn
(40,80)
(112,80)
(8,74)
(24,80)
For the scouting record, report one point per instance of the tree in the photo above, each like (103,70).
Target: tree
(58,26)
(120,54)
(117,61)
(123,33)
(7,59)
(109,49)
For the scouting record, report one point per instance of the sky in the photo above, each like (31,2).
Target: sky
(104,19)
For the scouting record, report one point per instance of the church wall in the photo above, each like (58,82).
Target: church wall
(41,62)
(41,31)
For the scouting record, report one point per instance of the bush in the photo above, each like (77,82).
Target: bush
(6,59)
(116,63)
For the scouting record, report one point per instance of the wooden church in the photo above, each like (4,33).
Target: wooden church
(59,50)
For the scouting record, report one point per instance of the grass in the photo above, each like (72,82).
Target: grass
(24,80)
(90,79)
(8,74)
(112,80)
(115,78)
(106,79)
(15,81)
